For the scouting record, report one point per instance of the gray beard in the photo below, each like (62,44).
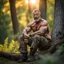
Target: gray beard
(37,20)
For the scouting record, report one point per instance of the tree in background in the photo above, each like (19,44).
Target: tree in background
(14,16)
(58,30)
(43,8)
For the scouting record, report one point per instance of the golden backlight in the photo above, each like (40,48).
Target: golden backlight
(31,1)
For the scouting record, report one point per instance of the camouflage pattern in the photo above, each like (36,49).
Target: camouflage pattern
(36,42)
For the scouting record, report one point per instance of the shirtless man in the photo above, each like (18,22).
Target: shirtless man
(39,38)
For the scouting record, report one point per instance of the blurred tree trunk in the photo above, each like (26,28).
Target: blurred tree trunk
(28,14)
(14,16)
(43,8)
(29,6)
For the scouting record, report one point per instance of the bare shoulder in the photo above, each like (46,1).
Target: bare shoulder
(44,22)
(30,23)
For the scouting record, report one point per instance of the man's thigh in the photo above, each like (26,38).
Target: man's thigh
(35,41)
(44,43)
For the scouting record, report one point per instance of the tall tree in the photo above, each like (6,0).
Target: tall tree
(58,29)
(29,6)
(14,16)
(43,8)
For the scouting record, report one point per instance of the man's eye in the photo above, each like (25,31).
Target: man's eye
(35,14)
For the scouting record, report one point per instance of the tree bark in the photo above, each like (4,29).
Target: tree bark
(14,16)
(43,8)
(58,29)
(29,6)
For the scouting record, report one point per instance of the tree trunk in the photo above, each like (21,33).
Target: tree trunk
(29,6)
(42,8)
(14,16)
(58,30)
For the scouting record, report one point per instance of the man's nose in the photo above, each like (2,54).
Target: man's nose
(35,16)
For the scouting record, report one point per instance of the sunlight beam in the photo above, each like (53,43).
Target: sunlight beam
(31,1)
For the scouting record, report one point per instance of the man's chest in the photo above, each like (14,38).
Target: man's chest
(36,26)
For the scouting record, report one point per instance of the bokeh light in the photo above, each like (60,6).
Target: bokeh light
(31,1)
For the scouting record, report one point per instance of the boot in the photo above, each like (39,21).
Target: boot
(31,56)
(24,57)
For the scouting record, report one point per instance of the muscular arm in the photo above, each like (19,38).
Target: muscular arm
(26,31)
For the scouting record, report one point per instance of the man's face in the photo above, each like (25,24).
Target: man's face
(36,15)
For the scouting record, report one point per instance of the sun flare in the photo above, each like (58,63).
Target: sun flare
(31,1)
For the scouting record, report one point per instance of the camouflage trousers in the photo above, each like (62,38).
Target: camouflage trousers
(36,42)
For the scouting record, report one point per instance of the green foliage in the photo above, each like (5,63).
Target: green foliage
(4,22)
(60,50)
(13,46)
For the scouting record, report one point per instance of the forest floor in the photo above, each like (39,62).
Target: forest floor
(44,59)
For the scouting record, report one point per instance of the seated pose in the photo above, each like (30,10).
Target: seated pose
(36,35)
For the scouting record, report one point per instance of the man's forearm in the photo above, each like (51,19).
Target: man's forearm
(37,32)
(25,34)
(41,31)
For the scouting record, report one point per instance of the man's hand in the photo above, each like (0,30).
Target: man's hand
(32,34)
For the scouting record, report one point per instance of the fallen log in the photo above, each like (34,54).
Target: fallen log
(9,55)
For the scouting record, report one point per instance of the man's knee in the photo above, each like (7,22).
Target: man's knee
(37,37)
(20,38)
(36,41)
